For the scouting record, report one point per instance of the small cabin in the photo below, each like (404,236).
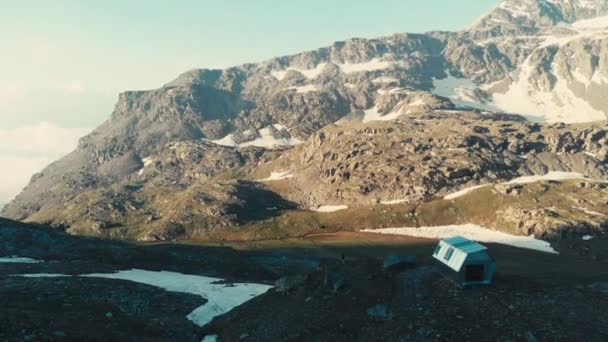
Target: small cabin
(466,262)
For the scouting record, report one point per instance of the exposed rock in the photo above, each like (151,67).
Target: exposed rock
(289,283)
(398,263)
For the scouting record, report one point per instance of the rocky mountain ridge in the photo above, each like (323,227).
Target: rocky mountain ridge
(408,104)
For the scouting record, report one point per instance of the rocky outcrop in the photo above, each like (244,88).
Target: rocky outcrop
(419,157)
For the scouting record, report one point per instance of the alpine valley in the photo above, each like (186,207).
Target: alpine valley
(310,169)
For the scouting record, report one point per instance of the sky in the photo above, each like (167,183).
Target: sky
(63,62)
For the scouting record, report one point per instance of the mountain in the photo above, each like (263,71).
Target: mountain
(405,118)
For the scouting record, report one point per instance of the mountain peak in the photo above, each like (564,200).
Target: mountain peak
(527,17)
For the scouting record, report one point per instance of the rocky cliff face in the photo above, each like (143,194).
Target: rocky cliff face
(546,60)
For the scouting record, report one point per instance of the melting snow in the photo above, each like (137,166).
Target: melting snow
(589,212)
(464,192)
(558,105)
(18,260)
(516,10)
(373,114)
(399,201)
(461,91)
(373,65)
(330,208)
(396,90)
(225,141)
(42,275)
(551,176)
(309,73)
(594,23)
(265,140)
(385,79)
(304,89)
(277,176)
(470,231)
(147,161)
(221,297)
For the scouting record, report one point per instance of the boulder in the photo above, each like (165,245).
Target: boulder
(398,263)
(289,283)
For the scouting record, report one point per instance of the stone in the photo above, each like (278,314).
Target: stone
(398,263)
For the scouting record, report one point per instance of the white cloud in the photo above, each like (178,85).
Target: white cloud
(42,139)
(28,149)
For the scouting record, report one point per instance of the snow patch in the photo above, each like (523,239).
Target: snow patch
(470,231)
(147,161)
(221,297)
(373,65)
(396,90)
(225,141)
(391,202)
(274,176)
(18,260)
(516,10)
(265,140)
(373,114)
(308,73)
(304,89)
(330,208)
(551,176)
(41,275)
(589,212)
(594,23)
(464,192)
(385,79)
(463,92)
(587,237)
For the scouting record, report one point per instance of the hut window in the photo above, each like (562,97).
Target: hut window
(448,254)
(437,249)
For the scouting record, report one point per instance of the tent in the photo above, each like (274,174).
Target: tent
(464,261)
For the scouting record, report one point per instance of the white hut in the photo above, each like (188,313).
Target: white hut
(464,261)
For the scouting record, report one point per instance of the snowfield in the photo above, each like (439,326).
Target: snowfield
(469,231)
(559,105)
(221,297)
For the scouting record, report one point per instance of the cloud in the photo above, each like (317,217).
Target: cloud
(28,149)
